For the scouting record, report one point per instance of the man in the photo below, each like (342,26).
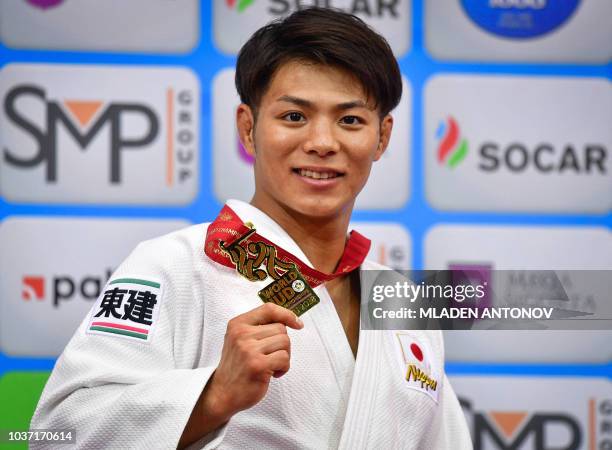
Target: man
(179,350)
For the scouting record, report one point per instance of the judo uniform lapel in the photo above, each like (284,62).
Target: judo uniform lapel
(367,402)
(323,317)
(362,389)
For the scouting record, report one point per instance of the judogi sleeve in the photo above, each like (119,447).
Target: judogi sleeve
(453,432)
(449,426)
(123,382)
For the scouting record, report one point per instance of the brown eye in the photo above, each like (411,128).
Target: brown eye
(294,117)
(350,120)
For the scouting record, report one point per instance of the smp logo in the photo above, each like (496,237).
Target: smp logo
(62,288)
(79,134)
(509,430)
(83,132)
(452,149)
(240,5)
(519,19)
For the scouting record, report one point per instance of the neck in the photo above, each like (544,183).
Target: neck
(322,239)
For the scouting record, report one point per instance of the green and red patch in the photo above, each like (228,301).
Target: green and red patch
(124,330)
(128,308)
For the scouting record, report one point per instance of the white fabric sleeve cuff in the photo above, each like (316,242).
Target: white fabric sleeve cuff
(214,438)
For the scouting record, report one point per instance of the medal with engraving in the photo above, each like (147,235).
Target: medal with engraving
(234,244)
(290,291)
(255,261)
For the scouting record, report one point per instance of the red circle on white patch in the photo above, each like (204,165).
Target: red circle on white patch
(416,351)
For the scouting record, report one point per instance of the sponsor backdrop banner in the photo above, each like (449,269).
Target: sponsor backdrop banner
(48,285)
(393,19)
(520,249)
(519,30)
(113,134)
(92,25)
(560,164)
(567,413)
(117,125)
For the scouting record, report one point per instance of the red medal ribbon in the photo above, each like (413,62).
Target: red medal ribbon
(228,227)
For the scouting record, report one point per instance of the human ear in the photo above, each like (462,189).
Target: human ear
(386,125)
(246,123)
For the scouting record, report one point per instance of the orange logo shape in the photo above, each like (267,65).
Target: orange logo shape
(508,422)
(33,287)
(83,110)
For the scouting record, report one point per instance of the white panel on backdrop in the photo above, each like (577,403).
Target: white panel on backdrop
(523,248)
(391,243)
(52,271)
(387,187)
(99,134)
(113,25)
(537,144)
(519,30)
(536,412)
(235,21)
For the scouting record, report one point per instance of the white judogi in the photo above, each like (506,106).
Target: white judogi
(121,392)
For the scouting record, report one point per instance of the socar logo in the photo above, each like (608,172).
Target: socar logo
(519,19)
(450,151)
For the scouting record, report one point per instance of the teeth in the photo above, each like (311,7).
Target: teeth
(317,175)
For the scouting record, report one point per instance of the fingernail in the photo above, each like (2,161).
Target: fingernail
(299,321)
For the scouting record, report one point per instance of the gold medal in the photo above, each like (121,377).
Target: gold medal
(289,288)
(290,291)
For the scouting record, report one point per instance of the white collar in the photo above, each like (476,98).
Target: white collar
(272,231)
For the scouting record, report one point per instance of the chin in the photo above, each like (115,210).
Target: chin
(317,208)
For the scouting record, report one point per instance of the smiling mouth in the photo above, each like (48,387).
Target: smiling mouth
(318,174)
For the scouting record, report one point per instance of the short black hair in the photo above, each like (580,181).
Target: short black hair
(324,36)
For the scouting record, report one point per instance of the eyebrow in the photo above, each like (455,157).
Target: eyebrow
(308,104)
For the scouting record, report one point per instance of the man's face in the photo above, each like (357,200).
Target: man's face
(314,140)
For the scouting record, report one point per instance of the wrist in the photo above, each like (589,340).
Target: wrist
(215,404)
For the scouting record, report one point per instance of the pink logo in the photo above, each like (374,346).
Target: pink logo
(465,273)
(44,4)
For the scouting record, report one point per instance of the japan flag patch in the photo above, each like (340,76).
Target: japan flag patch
(128,308)
(418,367)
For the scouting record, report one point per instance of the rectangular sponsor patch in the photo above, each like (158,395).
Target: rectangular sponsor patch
(127,308)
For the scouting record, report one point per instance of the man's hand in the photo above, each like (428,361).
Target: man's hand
(256,348)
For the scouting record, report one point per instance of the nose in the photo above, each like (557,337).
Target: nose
(321,138)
